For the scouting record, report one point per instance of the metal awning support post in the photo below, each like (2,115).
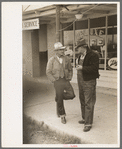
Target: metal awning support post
(106,35)
(74,45)
(57,23)
(89,32)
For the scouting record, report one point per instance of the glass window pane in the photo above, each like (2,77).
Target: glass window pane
(68,26)
(97,43)
(111,50)
(68,37)
(112,20)
(81,24)
(112,31)
(97,22)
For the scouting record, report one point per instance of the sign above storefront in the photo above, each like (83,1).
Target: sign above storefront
(97,32)
(30,24)
(112,63)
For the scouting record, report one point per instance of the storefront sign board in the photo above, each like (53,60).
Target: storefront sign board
(112,63)
(30,24)
(97,32)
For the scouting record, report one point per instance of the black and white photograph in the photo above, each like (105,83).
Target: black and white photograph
(66,62)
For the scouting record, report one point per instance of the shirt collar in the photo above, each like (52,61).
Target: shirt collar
(84,53)
(60,59)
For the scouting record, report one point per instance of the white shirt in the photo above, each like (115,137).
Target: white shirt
(83,56)
(60,59)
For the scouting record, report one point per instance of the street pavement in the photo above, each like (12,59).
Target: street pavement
(39,104)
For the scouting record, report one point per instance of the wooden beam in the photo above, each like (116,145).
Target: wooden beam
(51,12)
(57,23)
(68,20)
(39,9)
(46,18)
(76,7)
(91,16)
(94,15)
(106,7)
(46,13)
(44,22)
(113,6)
(113,11)
(98,11)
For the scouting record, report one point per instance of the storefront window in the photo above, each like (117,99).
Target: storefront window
(81,25)
(111,46)
(97,22)
(97,43)
(68,39)
(96,38)
(112,43)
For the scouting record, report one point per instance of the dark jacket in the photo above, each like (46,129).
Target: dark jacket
(53,69)
(90,68)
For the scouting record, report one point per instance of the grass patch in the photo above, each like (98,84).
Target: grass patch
(38,133)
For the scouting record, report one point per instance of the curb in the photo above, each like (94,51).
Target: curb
(48,126)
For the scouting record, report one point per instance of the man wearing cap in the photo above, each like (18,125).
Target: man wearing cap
(59,71)
(87,72)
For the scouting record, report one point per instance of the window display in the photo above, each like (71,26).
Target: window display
(104,44)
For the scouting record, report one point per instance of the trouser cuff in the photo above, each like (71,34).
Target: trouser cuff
(62,115)
(88,124)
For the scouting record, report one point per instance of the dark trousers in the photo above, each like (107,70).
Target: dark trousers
(87,95)
(64,91)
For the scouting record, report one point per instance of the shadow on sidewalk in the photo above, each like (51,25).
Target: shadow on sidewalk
(39,104)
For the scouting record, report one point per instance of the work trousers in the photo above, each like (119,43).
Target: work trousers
(87,96)
(64,91)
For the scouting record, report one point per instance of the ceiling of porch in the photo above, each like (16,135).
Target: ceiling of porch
(47,14)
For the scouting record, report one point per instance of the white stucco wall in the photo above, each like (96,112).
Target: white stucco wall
(27,54)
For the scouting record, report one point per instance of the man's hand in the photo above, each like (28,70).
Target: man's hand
(79,67)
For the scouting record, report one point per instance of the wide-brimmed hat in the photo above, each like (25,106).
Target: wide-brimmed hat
(80,43)
(58,46)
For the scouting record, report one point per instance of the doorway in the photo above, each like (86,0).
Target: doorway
(43,62)
(35,53)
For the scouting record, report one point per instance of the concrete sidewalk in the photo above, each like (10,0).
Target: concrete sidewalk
(39,104)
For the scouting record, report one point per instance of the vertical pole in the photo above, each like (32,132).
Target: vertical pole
(57,23)
(74,44)
(89,32)
(106,31)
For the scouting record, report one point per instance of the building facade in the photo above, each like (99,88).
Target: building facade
(99,31)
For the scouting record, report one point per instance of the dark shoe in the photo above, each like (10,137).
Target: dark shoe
(87,128)
(81,121)
(63,120)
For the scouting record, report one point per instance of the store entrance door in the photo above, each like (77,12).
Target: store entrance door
(35,53)
(43,62)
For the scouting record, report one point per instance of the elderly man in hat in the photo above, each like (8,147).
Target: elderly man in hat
(87,72)
(59,71)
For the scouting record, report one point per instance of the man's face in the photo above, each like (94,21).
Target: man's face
(81,50)
(60,52)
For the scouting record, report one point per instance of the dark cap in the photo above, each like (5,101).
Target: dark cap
(80,43)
